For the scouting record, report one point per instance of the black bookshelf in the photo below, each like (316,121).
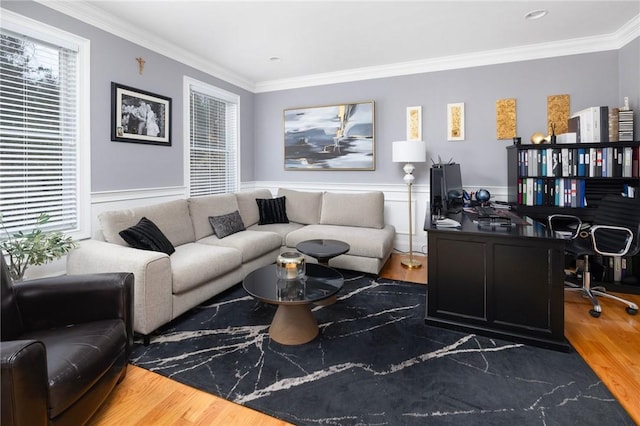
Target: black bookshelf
(593,186)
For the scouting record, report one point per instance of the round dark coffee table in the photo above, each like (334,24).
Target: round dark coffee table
(323,250)
(293,322)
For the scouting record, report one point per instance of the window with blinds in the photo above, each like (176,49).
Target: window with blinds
(39,136)
(213,140)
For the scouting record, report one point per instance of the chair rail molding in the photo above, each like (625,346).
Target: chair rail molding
(395,196)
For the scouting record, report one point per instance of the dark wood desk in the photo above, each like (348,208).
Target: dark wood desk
(505,282)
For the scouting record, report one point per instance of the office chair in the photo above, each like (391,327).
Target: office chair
(615,232)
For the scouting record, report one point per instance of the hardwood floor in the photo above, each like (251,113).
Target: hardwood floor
(609,344)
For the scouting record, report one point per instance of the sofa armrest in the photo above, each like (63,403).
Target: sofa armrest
(74,299)
(24,383)
(152,294)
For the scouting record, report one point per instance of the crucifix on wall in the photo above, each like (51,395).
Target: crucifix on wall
(140,64)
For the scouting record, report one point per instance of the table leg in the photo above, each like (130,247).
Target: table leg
(293,325)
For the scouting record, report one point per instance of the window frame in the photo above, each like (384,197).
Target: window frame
(216,92)
(48,34)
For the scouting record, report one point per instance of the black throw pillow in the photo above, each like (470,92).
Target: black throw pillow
(272,210)
(147,236)
(226,224)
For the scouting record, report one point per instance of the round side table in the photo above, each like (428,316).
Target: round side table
(323,250)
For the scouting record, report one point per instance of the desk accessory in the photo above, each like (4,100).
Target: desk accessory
(447,223)
(409,152)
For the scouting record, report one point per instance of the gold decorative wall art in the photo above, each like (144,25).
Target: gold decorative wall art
(506,119)
(414,123)
(455,122)
(558,113)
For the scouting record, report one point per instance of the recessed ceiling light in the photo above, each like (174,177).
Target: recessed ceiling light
(274,59)
(536,14)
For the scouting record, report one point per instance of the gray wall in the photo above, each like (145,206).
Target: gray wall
(629,66)
(589,79)
(121,166)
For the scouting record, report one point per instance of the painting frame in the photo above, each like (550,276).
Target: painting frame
(414,123)
(138,116)
(330,137)
(455,121)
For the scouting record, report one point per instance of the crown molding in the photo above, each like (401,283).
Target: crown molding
(83,10)
(627,33)
(86,12)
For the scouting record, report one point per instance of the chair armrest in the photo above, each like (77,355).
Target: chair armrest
(153,298)
(74,299)
(567,221)
(24,383)
(621,234)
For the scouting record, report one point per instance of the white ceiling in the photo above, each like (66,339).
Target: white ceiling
(318,40)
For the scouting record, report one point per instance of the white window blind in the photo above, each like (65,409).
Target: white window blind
(38,133)
(213,142)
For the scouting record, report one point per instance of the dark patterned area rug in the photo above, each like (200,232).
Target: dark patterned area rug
(375,362)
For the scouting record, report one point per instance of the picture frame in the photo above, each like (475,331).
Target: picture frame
(138,116)
(331,137)
(414,123)
(455,122)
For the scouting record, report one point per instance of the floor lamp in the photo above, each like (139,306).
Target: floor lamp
(409,152)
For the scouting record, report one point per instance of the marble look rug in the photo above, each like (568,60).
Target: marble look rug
(375,362)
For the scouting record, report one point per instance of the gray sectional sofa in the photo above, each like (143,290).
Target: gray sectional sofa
(203,265)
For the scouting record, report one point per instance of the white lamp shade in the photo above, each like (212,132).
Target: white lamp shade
(409,152)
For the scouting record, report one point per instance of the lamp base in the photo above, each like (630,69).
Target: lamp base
(411,263)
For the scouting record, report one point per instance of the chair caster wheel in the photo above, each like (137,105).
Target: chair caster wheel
(631,311)
(595,313)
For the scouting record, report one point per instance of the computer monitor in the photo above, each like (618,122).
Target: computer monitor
(453,188)
(446,189)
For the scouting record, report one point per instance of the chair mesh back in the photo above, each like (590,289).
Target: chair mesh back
(618,211)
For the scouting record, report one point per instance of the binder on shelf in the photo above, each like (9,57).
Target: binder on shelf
(628,161)
(593,124)
(573,125)
(581,162)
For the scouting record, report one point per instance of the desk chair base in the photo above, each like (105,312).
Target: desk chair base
(591,293)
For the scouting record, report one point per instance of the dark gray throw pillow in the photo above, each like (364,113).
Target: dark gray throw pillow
(226,224)
(147,236)
(272,210)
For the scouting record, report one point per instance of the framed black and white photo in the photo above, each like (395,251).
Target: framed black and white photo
(333,137)
(139,117)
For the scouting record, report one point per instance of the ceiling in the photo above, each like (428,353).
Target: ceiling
(239,41)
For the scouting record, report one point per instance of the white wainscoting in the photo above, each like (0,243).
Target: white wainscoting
(396,209)
(396,200)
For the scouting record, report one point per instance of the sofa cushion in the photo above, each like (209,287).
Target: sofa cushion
(302,207)
(247,205)
(226,224)
(252,244)
(281,229)
(200,208)
(365,242)
(195,264)
(145,235)
(172,217)
(362,209)
(272,210)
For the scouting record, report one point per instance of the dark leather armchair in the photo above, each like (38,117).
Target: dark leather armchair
(65,344)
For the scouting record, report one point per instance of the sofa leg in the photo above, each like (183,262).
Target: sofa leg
(146,339)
